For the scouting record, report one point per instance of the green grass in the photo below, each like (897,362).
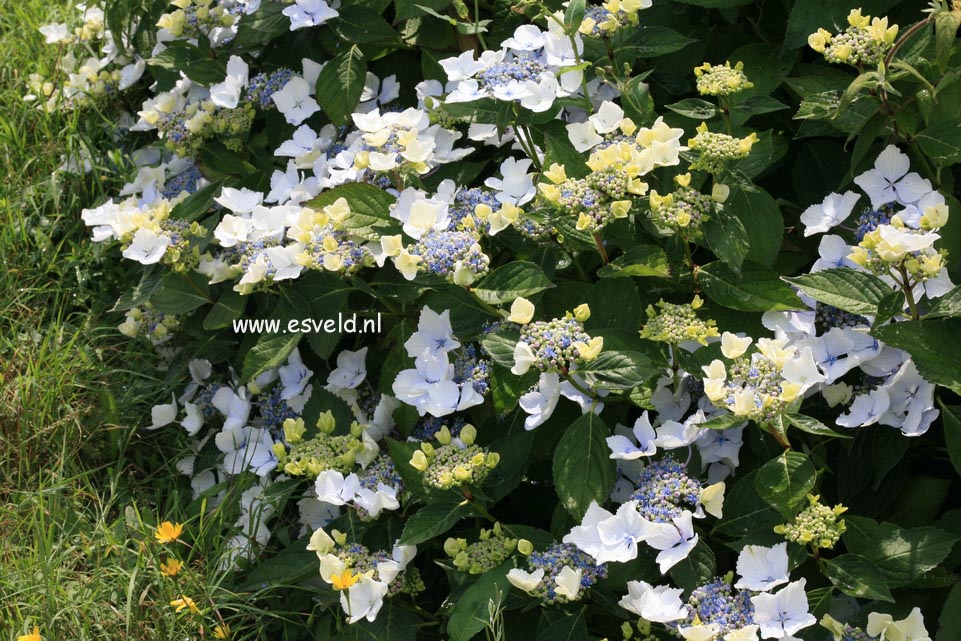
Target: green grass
(77,481)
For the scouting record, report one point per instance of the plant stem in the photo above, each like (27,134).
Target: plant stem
(480,36)
(600,248)
(908,288)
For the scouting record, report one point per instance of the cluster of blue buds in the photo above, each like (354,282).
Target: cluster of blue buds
(264,85)
(718,603)
(455,255)
(664,490)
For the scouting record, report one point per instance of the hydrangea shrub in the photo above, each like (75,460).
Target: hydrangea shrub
(618,320)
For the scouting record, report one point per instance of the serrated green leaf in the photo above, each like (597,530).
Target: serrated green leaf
(695,108)
(785,482)
(640,260)
(229,307)
(432,520)
(812,426)
(756,289)
(847,289)
(181,293)
(513,280)
(856,576)
(341,83)
(925,341)
(369,209)
(617,370)
(470,613)
(583,469)
(900,554)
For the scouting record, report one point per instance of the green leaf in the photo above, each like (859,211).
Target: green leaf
(900,554)
(617,370)
(744,510)
(260,27)
(695,108)
(723,422)
(341,83)
(762,220)
(640,260)
(470,613)
(759,105)
(952,432)
(785,482)
(229,307)
(812,426)
(925,341)
(756,289)
(292,565)
(856,576)
(361,25)
(510,281)
(506,388)
(432,520)
(369,209)
(696,569)
(574,15)
(270,351)
(181,293)
(853,291)
(583,469)
(500,347)
(950,621)
(572,627)
(141,292)
(947,305)
(196,204)
(649,41)
(725,235)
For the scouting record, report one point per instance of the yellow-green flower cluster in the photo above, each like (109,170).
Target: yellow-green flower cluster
(682,211)
(453,464)
(596,200)
(721,80)
(717,148)
(195,17)
(493,548)
(327,244)
(897,247)
(186,132)
(675,324)
(865,42)
(322,452)
(752,384)
(150,323)
(604,20)
(817,525)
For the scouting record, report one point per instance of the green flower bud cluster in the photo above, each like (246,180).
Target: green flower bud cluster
(596,200)
(231,126)
(721,80)
(451,465)
(150,323)
(493,548)
(322,452)
(716,149)
(817,525)
(682,211)
(866,41)
(554,343)
(675,324)
(183,254)
(360,559)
